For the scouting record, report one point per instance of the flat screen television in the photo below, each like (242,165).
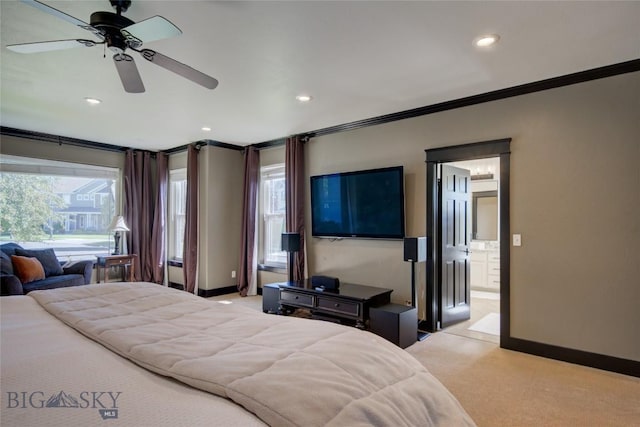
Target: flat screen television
(366,204)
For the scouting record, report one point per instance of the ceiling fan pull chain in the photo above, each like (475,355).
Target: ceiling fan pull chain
(104,50)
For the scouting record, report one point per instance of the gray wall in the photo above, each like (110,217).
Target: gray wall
(221,184)
(65,153)
(221,177)
(575,198)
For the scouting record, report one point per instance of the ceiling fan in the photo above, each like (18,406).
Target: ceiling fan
(119,33)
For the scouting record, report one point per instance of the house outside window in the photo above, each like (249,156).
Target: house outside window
(48,204)
(177,212)
(272,186)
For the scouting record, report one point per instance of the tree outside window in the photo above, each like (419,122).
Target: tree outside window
(58,205)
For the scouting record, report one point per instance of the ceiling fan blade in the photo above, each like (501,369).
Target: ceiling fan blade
(50,45)
(55,12)
(128,73)
(151,29)
(179,68)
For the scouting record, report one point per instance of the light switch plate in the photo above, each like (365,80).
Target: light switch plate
(517,240)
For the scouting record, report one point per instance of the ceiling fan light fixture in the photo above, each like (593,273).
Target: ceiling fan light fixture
(304,98)
(486,40)
(120,33)
(92,101)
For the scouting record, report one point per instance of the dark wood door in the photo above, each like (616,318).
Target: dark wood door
(455,220)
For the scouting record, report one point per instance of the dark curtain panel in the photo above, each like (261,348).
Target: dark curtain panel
(139,206)
(190,254)
(158,249)
(294,188)
(247,280)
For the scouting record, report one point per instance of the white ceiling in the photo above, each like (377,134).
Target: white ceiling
(357,59)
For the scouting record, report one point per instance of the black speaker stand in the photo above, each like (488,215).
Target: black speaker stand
(422,335)
(292,255)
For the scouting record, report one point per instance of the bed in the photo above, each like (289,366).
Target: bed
(142,354)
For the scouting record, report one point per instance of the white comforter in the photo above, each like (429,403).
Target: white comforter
(288,371)
(42,356)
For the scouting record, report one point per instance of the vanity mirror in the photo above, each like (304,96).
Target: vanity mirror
(485,215)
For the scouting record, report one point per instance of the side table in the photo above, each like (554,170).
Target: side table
(124,261)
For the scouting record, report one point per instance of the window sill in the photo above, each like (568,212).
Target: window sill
(274,268)
(175,263)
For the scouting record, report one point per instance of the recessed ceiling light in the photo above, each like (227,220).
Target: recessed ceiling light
(206,129)
(304,98)
(93,101)
(487,40)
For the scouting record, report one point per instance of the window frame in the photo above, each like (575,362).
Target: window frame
(24,165)
(175,241)
(270,173)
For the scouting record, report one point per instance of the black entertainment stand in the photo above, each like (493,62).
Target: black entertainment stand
(349,304)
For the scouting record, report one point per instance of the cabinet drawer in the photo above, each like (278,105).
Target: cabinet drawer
(493,268)
(494,281)
(494,257)
(296,298)
(348,308)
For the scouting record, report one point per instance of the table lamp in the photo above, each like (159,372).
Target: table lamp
(117,225)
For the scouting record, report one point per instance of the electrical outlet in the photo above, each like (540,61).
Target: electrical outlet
(517,240)
(233,274)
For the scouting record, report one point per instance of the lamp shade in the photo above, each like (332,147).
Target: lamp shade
(117,224)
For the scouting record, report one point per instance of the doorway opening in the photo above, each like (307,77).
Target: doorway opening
(468,216)
(484,249)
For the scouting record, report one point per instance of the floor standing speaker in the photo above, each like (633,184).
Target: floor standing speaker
(396,323)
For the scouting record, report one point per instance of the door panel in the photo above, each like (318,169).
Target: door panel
(455,286)
(448,279)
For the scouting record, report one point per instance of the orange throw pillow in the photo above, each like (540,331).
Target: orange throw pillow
(27,269)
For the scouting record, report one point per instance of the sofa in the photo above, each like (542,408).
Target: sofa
(25,270)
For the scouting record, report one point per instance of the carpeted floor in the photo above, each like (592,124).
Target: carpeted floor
(499,387)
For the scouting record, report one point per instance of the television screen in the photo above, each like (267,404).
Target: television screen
(367,203)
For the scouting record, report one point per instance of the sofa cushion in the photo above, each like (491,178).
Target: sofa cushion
(6,266)
(10,285)
(27,269)
(10,248)
(47,258)
(54,282)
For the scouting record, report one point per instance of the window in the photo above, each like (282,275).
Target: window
(272,184)
(177,212)
(38,208)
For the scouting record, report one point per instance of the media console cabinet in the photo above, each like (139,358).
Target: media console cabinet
(349,304)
